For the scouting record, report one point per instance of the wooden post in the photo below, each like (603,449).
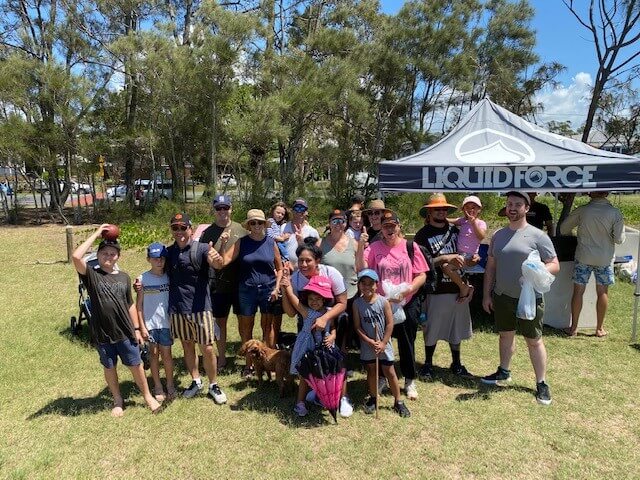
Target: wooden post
(69,232)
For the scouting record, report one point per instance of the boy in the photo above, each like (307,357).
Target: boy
(114,321)
(152,304)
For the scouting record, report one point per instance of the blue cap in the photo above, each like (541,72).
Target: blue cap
(222,200)
(157,250)
(367,272)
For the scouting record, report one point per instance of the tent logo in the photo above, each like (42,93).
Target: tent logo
(490,147)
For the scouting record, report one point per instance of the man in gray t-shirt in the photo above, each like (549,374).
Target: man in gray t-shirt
(510,246)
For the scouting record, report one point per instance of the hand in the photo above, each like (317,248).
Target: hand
(457,262)
(137,286)
(101,228)
(319,324)
(364,238)
(273,296)
(378,347)
(298,232)
(329,339)
(286,236)
(224,238)
(487,304)
(139,338)
(212,255)
(144,333)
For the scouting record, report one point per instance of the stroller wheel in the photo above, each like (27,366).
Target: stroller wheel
(75,326)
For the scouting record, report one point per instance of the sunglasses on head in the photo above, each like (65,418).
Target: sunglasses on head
(179,228)
(221,207)
(337,221)
(299,209)
(253,223)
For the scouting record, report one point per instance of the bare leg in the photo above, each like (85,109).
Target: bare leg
(394,385)
(190,358)
(141,380)
(302,390)
(154,366)
(456,278)
(538,356)
(372,381)
(265,324)
(167,360)
(507,345)
(576,307)
(221,343)
(111,376)
(602,291)
(245,328)
(276,324)
(209,361)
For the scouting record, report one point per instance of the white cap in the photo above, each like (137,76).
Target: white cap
(472,199)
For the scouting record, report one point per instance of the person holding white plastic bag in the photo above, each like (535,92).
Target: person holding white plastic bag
(509,248)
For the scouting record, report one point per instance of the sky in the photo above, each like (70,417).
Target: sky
(562,39)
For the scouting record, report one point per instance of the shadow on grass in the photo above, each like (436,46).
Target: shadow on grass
(635,346)
(72,407)
(485,392)
(82,338)
(444,376)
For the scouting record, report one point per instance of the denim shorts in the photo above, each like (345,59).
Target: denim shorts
(161,336)
(127,350)
(252,298)
(582,273)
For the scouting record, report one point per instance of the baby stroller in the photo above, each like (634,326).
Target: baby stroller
(84,302)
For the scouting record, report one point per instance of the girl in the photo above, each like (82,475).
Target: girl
(354,219)
(371,310)
(278,217)
(312,304)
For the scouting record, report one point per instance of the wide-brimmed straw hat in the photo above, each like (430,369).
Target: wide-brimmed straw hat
(437,200)
(254,214)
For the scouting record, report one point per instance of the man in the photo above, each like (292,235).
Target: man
(600,226)
(510,246)
(299,229)
(374,213)
(448,318)
(538,215)
(190,303)
(224,290)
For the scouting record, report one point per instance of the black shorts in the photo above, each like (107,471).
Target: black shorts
(383,361)
(221,304)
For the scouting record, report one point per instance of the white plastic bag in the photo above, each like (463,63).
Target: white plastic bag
(393,292)
(535,278)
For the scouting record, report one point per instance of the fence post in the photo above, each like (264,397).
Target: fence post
(69,232)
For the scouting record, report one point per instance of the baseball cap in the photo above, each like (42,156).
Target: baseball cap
(472,199)
(337,213)
(519,193)
(368,273)
(300,202)
(389,216)
(157,250)
(180,218)
(222,200)
(109,243)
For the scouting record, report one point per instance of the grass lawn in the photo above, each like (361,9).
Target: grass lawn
(55,422)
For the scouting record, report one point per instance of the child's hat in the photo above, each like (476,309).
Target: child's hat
(157,250)
(321,285)
(472,199)
(368,273)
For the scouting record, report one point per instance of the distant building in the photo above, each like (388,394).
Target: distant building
(602,141)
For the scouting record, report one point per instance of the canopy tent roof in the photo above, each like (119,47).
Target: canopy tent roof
(493,149)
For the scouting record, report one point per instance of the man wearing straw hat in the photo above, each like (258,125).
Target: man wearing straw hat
(447,318)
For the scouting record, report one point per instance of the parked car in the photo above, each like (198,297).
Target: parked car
(146,189)
(228,179)
(117,192)
(76,187)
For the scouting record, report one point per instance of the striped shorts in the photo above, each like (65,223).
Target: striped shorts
(197,327)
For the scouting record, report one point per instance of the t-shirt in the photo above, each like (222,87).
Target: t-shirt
(292,243)
(256,261)
(372,314)
(432,239)
(374,235)
(299,281)
(468,242)
(274,229)
(394,264)
(155,305)
(344,262)
(110,295)
(538,214)
(510,248)
(188,288)
(226,279)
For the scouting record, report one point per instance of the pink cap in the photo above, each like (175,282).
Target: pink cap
(472,199)
(320,285)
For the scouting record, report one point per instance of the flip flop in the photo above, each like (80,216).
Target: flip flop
(467,297)
(570,333)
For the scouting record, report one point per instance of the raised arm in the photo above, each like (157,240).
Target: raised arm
(361,263)
(294,301)
(78,254)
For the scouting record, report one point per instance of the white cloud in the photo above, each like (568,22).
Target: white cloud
(566,102)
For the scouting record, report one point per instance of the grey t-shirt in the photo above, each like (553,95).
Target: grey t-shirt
(372,314)
(512,247)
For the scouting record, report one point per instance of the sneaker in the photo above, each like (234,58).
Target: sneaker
(401,409)
(543,395)
(383,384)
(501,377)
(346,409)
(426,373)
(370,405)
(218,395)
(459,370)
(410,390)
(312,398)
(193,389)
(301,409)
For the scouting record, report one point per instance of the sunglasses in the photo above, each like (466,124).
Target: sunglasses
(253,223)
(375,212)
(222,207)
(440,209)
(179,228)
(337,221)
(299,209)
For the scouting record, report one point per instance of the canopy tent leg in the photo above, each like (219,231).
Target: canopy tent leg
(636,294)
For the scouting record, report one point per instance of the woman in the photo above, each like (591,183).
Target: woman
(339,252)
(389,258)
(260,272)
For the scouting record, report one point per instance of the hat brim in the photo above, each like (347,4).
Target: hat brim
(425,208)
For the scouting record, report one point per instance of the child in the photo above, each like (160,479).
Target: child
(354,219)
(312,304)
(369,310)
(114,321)
(472,232)
(152,304)
(278,217)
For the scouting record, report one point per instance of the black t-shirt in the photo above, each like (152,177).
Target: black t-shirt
(374,235)
(226,279)
(432,239)
(110,295)
(538,214)
(188,288)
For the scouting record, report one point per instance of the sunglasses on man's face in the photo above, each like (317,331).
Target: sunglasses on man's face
(222,207)
(179,228)
(337,221)
(375,212)
(440,209)
(299,209)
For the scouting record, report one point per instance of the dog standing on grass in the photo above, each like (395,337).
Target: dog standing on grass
(269,360)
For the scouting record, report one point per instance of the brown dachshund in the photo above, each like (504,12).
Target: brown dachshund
(269,360)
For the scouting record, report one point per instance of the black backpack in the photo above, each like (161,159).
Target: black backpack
(431,284)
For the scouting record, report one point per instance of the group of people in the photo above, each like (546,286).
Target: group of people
(361,280)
